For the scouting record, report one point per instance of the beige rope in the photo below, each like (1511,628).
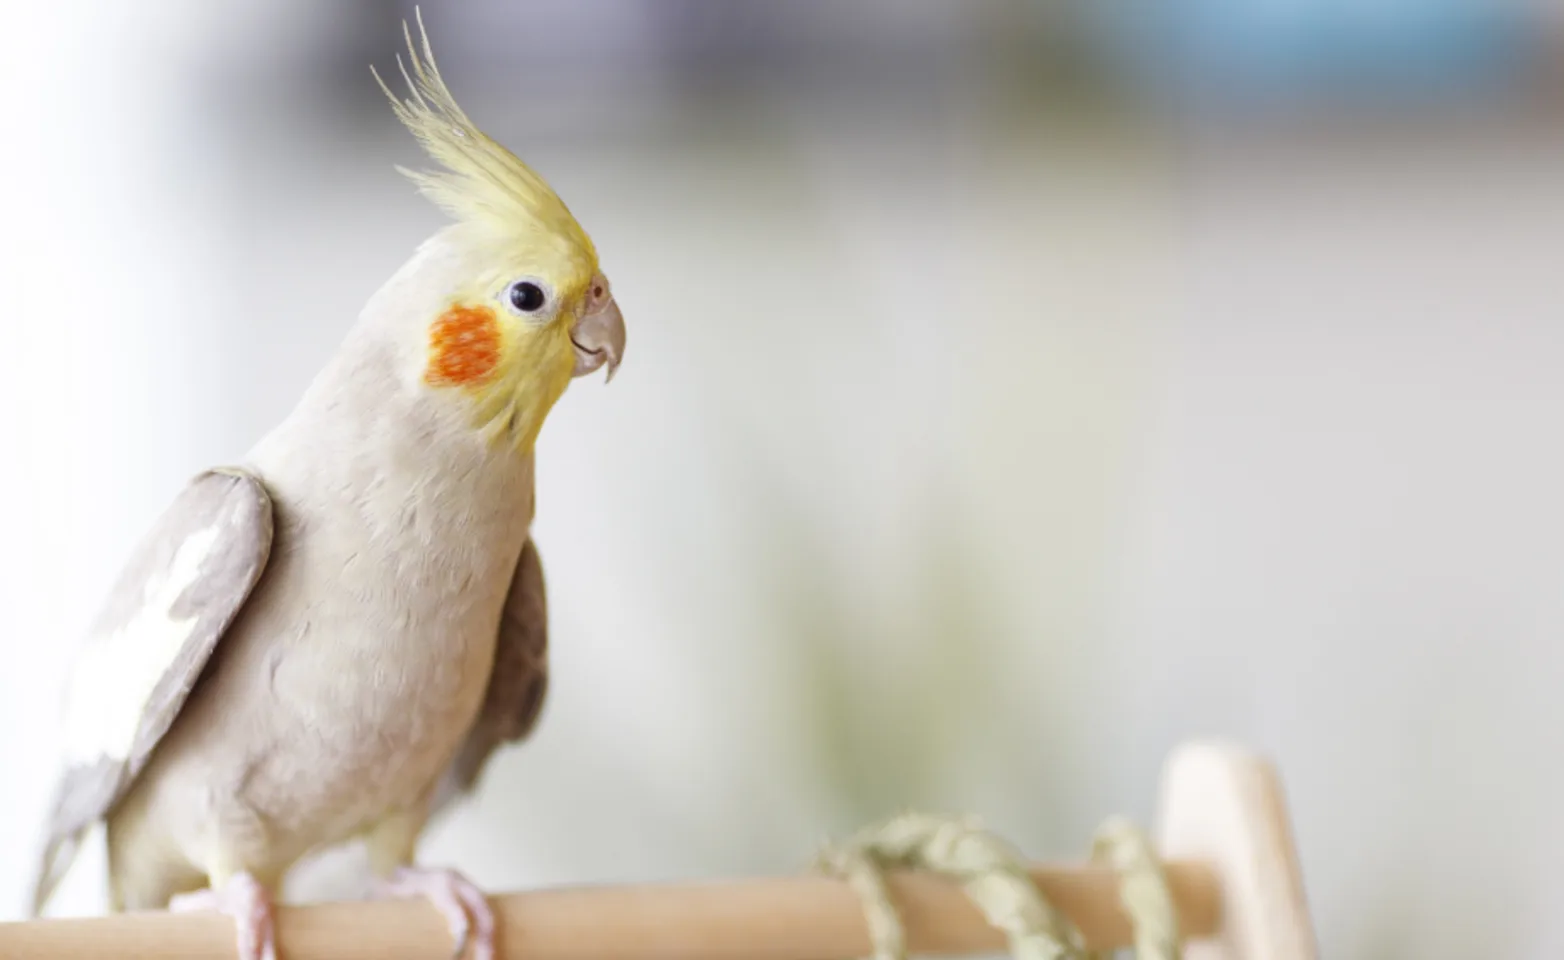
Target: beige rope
(868,882)
(994,877)
(1143,888)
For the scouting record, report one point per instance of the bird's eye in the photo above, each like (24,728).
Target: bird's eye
(527,297)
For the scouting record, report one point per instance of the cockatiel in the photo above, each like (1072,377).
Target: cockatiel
(327,642)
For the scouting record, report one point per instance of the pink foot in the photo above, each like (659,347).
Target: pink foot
(465,908)
(244,899)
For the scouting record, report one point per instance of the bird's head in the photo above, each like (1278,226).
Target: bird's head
(507,304)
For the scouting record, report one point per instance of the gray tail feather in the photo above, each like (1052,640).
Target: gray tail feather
(57,859)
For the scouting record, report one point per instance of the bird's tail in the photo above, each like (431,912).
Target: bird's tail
(57,858)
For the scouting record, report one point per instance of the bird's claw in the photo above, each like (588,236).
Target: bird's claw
(465,909)
(243,898)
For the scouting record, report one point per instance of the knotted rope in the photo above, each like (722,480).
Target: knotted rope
(994,877)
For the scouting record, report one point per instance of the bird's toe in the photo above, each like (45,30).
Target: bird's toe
(244,899)
(466,910)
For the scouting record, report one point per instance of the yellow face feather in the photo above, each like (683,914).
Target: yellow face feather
(515,364)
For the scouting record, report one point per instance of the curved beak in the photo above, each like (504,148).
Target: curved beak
(599,337)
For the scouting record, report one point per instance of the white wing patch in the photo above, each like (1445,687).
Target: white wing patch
(116,675)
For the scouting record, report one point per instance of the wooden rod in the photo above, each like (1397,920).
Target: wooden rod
(787,918)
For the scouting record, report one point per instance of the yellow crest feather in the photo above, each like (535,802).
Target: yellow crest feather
(483,182)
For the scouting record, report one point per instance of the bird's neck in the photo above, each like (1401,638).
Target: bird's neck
(368,417)
(361,424)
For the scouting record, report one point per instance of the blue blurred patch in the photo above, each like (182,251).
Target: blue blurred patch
(1236,52)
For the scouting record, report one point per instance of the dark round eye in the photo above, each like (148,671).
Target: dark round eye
(527,296)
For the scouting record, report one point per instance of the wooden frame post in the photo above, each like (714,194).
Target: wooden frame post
(1224,806)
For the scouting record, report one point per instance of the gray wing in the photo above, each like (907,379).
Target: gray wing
(518,683)
(182,586)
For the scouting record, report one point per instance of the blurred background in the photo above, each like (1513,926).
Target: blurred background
(1014,390)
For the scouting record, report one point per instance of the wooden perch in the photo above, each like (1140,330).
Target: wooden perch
(792,918)
(1230,866)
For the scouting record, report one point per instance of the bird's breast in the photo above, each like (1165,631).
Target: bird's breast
(363,658)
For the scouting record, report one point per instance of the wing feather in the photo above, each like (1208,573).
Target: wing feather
(181,588)
(518,683)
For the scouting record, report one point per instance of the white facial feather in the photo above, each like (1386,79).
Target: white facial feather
(116,675)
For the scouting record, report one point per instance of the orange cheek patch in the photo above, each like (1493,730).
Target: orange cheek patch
(464,346)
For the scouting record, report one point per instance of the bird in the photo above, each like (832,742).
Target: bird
(327,640)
